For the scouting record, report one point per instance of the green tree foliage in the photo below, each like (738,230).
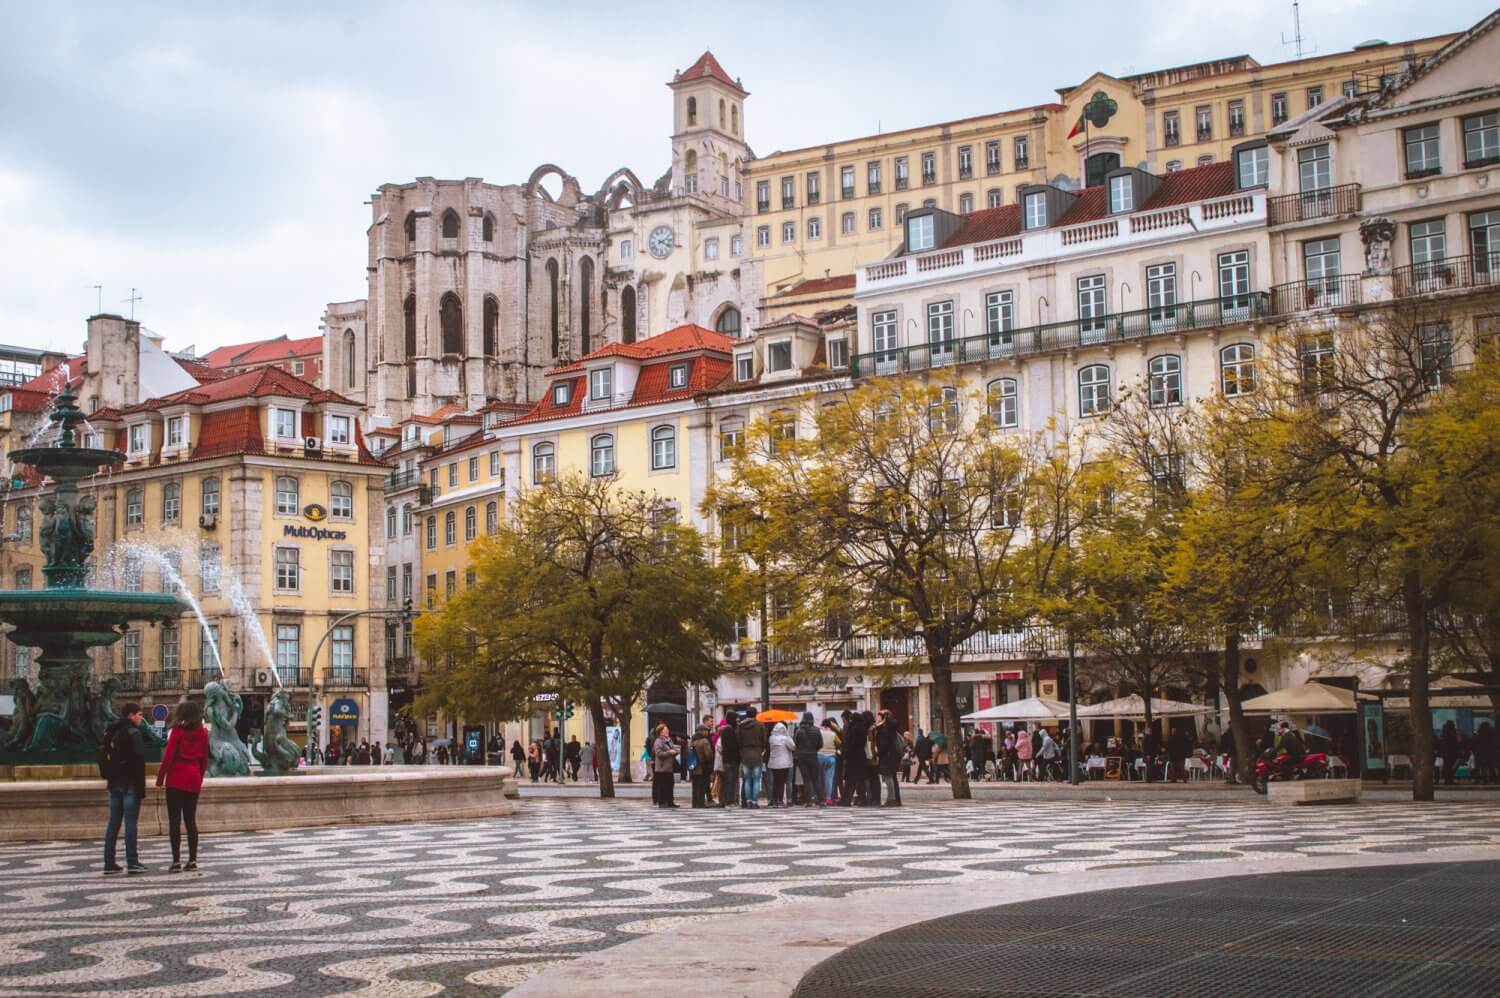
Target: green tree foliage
(592,591)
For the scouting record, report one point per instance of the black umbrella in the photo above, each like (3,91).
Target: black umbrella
(665,708)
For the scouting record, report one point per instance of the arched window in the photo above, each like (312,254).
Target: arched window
(409,326)
(135,509)
(208,495)
(471,523)
(728,322)
(487,228)
(450,527)
(602,455)
(1099,164)
(351,362)
(492,518)
(692,109)
(1004,402)
(734,119)
(1165,373)
(723,121)
(1237,369)
(491,326)
(552,304)
(585,302)
(1093,390)
(690,171)
(390,523)
(627,314)
(171,502)
(451,319)
(450,224)
(663,448)
(286,496)
(410,228)
(543,463)
(942,412)
(407,519)
(783,424)
(341,501)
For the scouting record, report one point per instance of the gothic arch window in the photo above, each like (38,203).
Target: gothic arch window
(1099,164)
(351,365)
(585,302)
(692,109)
(409,326)
(552,304)
(451,319)
(728,322)
(487,229)
(734,119)
(690,171)
(410,228)
(627,314)
(491,326)
(722,120)
(450,224)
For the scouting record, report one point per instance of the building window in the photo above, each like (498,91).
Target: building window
(561,393)
(602,455)
(965,162)
(341,571)
(876,218)
(338,430)
(1236,117)
(450,583)
(474,468)
(846,182)
(994,197)
(450,528)
(1428,241)
(1121,193)
(133,653)
(728,323)
(762,196)
(677,377)
(135,510)
(1314,97)
(1437,355)
(1484,239)
(171,502)
(171,656)
(1206,159)
(1092,308)
(210,563)
(1320,259)
(390,523)
(406,520)
(134,571)
(1482,139)
(783,423)
(838,353)
(1314,168)
(763,235)
(1093,390)
(341,501)
(815,228)
(1004,402)
(903,173)
(744,367)
(1161,294)
(406,581)
(286,424)
(814,187)
(492,518)
(663,448)
(1421,144)
(901,210)
(287,503)
(788,192)
(1173,165)
(992,156)
(1237,369)
(1278,108)
(1021,153)
(431,590)
(883,338)
(288,569)
(1036,210)
(471,523)
(940,326)
(140,439)
(1252,167)
(943,412)
(23,522)
(965,204)
(288,650)
(1165,380)
(1171,128)
(452,474)
(929,168)
(208,640)
(1203,115)
(341,660)
(999,320)
(174,431)
(1351,88)
(627,250)
(1234,280)
(846,223)
(23,577)
(601,384)
(431,533)
(872,177)
(1316,353)
(788,232)
(731,432)
(779,356)
(736,246)
(711,248)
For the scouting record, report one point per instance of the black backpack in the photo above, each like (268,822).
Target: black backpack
(109,757)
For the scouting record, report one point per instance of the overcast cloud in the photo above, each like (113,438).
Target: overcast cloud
(218,157)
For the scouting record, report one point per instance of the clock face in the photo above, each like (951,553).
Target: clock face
(660,241)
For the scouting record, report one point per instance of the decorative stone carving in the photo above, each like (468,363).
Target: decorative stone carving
(1378,234)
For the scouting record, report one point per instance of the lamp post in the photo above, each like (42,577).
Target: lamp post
(406,612)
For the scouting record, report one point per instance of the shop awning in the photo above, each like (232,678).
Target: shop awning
(1309,698)
(1460,697)
(1133,708)
(1030,709)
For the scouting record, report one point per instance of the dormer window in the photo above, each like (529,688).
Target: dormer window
(174,431)
(779,356)
(286,424)
(139,439)
(677,377)
(1036,210)
(838,353)
(1252,167)
(1121,193)
(744,367)
(600,385)
(560,393)
(919,234)
(338,429)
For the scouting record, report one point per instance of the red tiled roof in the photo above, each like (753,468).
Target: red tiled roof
(51,382)
(450,413)
(252,384)
(224,356)
(819,285)
(236,431)
(651,388)
(384,431)
(281,348)
(678,340)
(1183,187)
(26,400)
(201,372)
(708,67)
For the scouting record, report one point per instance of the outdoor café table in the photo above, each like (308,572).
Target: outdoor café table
(1196,768)
(1094,762)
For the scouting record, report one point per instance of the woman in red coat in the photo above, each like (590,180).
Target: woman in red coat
(183,763)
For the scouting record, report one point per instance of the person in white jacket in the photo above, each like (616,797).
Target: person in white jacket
(783,754)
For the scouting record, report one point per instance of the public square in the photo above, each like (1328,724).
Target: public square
(481,907)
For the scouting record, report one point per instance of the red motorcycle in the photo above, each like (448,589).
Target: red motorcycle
(1314,766)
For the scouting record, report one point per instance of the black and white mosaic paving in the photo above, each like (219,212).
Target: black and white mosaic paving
(477,907)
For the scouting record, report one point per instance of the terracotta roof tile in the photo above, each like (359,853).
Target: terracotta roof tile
(678,340)
(652,387)
(236,431)
(819,285)
(708,67)
(258,383)
(281,348)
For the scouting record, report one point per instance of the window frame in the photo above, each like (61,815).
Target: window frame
(1095,396)
(663,448)
(288,506)
(1164,381)
(1425,140)
(920,233)
(341,500)
(287,574)
(341,571)
(602,455)
(1488,137)
(1003,398)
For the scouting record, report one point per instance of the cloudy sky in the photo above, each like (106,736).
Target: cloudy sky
(217,156)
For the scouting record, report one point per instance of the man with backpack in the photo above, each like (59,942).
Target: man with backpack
(122,763)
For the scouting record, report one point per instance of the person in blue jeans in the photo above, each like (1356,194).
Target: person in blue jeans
(753,744)
(126,776)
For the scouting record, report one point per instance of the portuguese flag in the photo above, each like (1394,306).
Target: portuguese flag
(1078,125)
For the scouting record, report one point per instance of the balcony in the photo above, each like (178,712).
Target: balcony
(813,197)
(398,480)
(346,679)
(788,203)
(762,207)
(1124,327)
(902,183)
(847,193)
(1311,295)
(131,680)
(199,678)
(1023,163)
(1173,138)
(873,187)
(1451,274)
(401,668)
(158,682)
(428,494)
(1307,206)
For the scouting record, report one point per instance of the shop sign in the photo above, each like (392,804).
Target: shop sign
(315,512)
(543,697)
(313,533)
(343,711)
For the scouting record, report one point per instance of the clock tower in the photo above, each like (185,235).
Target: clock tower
(708,134)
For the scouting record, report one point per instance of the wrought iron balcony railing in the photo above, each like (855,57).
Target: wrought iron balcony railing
(1327,202)
(1317,293)
(1450,274)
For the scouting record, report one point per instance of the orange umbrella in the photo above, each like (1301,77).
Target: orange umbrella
(772,716)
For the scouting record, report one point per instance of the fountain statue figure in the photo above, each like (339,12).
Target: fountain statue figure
(277,753)
(227,755)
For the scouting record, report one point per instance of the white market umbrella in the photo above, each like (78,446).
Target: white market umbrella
(1460,697)
(1309,698)
(1030,709)
(1133,708)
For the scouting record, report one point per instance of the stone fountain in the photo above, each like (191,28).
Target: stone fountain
(63,720)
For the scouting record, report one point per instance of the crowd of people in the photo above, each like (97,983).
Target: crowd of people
(543,757)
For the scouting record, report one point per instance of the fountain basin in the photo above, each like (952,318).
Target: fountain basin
(323,796)
(81,618)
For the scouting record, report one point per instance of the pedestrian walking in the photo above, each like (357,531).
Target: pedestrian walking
(922,749)
(518,758)
(703,765)
(827,761)
(890,746)
(783,753)
(573,757)
(588,760)
(808,742)
(1023,753)
(940,758)
(727,757)
(184,763)
(122,763)
(752,739)
(534,759)
(664,754)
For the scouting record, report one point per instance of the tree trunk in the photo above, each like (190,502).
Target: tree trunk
(942,683)
(1155,738)
(601,748)
(1492,653)
(1244,746)
(1418,661)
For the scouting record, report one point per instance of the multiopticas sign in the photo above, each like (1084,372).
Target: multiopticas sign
(313,533)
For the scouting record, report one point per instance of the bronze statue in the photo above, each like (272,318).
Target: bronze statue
(277,753)
(227,755)
(23,721)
